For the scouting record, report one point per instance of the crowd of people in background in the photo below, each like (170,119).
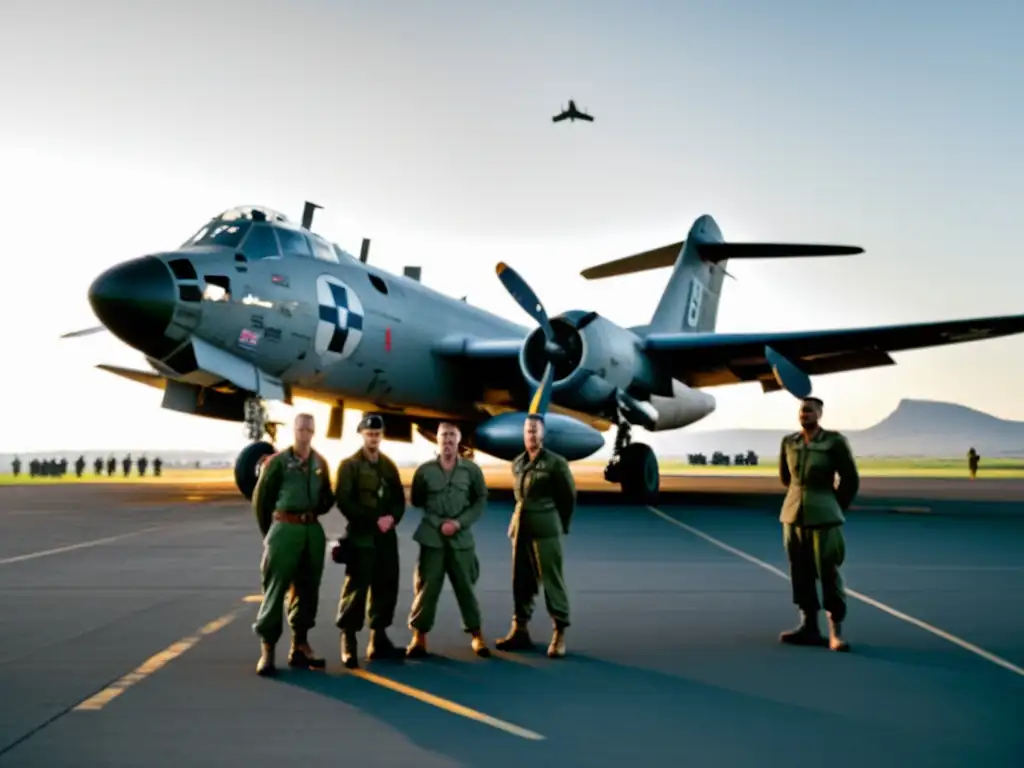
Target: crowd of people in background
(59,467)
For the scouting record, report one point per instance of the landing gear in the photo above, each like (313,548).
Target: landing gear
(250,460)
(634,467)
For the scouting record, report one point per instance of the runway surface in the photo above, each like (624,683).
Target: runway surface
(126,640)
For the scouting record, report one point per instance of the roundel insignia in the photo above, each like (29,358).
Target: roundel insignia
(340,323)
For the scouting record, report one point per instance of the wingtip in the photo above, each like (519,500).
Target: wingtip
(501,267)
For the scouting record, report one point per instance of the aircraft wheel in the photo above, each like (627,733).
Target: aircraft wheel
(639,474)
(248,465)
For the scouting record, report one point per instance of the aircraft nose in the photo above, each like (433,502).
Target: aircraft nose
(135,300)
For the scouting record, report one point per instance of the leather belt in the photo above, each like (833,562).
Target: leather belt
(296,518)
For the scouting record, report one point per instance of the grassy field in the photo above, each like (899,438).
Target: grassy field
(869,467)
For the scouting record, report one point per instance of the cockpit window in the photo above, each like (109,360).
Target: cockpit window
(321,250)
(222,233)
(261,243)
(293,243)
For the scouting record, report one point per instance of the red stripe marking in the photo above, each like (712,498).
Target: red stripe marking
(387,339)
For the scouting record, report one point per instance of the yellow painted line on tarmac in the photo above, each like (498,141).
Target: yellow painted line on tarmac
(971,647)
(446,705)
(152,664)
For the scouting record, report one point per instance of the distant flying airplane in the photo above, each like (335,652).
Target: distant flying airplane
(254,308)
(572,113)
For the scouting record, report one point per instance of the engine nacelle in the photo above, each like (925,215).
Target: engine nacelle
(685,407)
(600,359)
(501,436)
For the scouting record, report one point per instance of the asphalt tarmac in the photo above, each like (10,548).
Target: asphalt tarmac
(126,640)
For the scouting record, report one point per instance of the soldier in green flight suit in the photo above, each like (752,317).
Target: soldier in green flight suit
(370,495)
(812,523)
(545,495)
(453,495)
(293,491)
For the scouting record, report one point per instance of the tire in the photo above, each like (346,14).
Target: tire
(248,464)
(639,475)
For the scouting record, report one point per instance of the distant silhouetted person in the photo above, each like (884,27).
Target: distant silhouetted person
(126,465)
(143,463)
(972,462)
(111,466)
(16,466)
(98,465)
(157,465)
(79,466)
(33,468)
(62,468)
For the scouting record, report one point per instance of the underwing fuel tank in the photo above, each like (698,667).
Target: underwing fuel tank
(501,436)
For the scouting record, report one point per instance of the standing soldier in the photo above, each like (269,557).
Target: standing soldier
(545,496)
(453,495)
(293,491)
(812,523)
(126,465)
(79,466)
(143,463)
(16,466)
(370,495)
(972,462)
(98,465)
(111,466)
(157,465)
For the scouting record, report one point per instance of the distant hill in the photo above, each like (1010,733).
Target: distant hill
(924,428)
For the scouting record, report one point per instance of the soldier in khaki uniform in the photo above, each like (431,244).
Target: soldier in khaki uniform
(545,495)
(453,495)
(370,495)
(293,491)
(812,523)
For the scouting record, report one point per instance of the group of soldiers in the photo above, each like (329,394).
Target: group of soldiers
(59,467)
(294,491)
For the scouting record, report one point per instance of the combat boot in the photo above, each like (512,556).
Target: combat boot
(808,633)
(518,639)
(302,656)
(835,636)
(557,648)
(381,647)
(349,650)
(417,648)
(265,666)
(480,645)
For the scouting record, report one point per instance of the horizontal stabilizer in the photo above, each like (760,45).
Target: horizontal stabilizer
(721,251)
(666,255)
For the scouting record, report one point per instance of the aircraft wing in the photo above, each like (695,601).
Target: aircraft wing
(716,359)
(559,117)
(582,116)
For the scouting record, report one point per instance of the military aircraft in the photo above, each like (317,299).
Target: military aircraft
(255,308)
(572,113)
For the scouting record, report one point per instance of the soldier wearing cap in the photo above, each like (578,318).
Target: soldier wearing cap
(293,491)
(370,495)
(545,495)
(812,523)
(453,496)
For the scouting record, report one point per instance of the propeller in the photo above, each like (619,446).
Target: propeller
(84,332)
(554,350)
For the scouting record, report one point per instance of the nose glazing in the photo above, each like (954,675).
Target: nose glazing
(135,300)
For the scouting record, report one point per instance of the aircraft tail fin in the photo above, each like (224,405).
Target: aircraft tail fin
(689,302)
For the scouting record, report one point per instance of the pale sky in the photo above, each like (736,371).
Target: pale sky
(426,126)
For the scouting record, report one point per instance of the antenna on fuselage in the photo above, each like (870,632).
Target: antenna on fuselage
(364,252)
(307,214)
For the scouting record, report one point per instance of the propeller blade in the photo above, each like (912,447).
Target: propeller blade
(542,397)
(84,332)
(525,297)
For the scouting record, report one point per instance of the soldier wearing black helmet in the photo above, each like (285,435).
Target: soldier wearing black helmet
(369,494)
